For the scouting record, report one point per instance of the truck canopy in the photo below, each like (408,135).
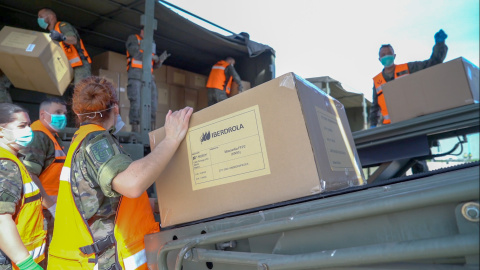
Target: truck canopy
(105,25)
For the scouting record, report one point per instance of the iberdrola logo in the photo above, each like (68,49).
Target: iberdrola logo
(206,135)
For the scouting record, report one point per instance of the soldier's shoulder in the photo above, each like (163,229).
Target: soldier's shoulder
(9,169)
(101,146)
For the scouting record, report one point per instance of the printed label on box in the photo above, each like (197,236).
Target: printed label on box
(336,144)
(18,40)
(227,149)
(57,66)
(30,47)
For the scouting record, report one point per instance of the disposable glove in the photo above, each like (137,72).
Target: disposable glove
(29,264)
(440,36)
(52,209)
(164,56)
(57,36)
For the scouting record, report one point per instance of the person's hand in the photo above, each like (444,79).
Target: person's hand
(52,209)
(57,36)
(163,56)
(155,58)
(176,124)
(440,36)
(29,264)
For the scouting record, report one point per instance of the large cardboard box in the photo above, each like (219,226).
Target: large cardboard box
(32,61)
(109,61)
(176,76)
(234,90)
(438,88)
(196,81)
(282,140)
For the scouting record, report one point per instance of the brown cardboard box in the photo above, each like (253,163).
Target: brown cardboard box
(250,151)
(176,97)
(109,61)
(441,87)
(160,74)
(191,96)
(32,61)
(234,90)
(196,81)
(202,99)
(162,90)
(176,76)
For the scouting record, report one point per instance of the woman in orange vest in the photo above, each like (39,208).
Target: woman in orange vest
(22,236)
(103,211)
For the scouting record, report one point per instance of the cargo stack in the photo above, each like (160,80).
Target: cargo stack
(279,141)
(176,88)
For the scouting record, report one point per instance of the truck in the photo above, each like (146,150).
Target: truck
(427,220)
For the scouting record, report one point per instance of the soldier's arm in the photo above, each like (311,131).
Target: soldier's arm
(69,32)
(10,242)
(374,109)
(133,47)
(231,72)
(439,53)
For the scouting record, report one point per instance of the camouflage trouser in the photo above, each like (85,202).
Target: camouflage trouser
(81,72)
(133,92)
(215,96)
(5,96)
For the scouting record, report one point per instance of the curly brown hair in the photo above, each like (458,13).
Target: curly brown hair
(93,98)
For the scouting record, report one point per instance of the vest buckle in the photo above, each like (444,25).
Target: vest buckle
(99,245)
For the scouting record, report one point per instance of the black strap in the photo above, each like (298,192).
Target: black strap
(115,266)
(402,73)
(4,260)
(98,246)
(33,198)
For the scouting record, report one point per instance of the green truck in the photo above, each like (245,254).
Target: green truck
(426,220)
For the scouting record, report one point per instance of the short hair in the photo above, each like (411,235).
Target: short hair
(385,46)
(229,59)
(47,102)
(7,110)
(48,10)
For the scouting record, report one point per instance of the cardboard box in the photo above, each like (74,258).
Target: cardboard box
(191,96)
(109,61)
(160,74)
(250,151)
(202,99)
(196,81)
(234,90)
(176,97)
(32,61)
(438,88)
(162,90)
(176,76)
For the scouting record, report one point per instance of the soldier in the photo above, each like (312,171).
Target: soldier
(44,156)
(22,235)
(392,72)
(220,80)
(4,85)
(102,187)
(134,70)
(70,40)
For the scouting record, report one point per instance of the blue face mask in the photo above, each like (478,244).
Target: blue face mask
(118,124)
(387,60)
(59,121)
(22,136)
(42,23)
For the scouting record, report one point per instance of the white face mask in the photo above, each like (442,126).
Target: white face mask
(21,137)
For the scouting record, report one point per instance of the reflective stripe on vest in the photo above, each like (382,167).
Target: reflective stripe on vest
(72,232)
(71,51)
(135,63)
(379,81)
(217,77)
(50,176)
(29,218)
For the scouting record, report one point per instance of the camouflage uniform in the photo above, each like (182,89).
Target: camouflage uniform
(98,160)
(39,154)
(10,191)
(81,71)
(438,55)
(4,85)
(135,83)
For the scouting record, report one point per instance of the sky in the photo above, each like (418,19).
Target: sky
(341,38)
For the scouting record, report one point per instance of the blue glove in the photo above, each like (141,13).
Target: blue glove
(57,36)
(440,36)
(373,126)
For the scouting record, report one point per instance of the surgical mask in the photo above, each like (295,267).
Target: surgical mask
(22,136)
(42,23)
(387,60)
(119,124)
(58,122)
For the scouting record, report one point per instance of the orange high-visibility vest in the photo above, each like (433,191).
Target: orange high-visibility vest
(29,218)
(136,63)
(217,77)
(134,219)
(379,81)
(71,52)
(50,177)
